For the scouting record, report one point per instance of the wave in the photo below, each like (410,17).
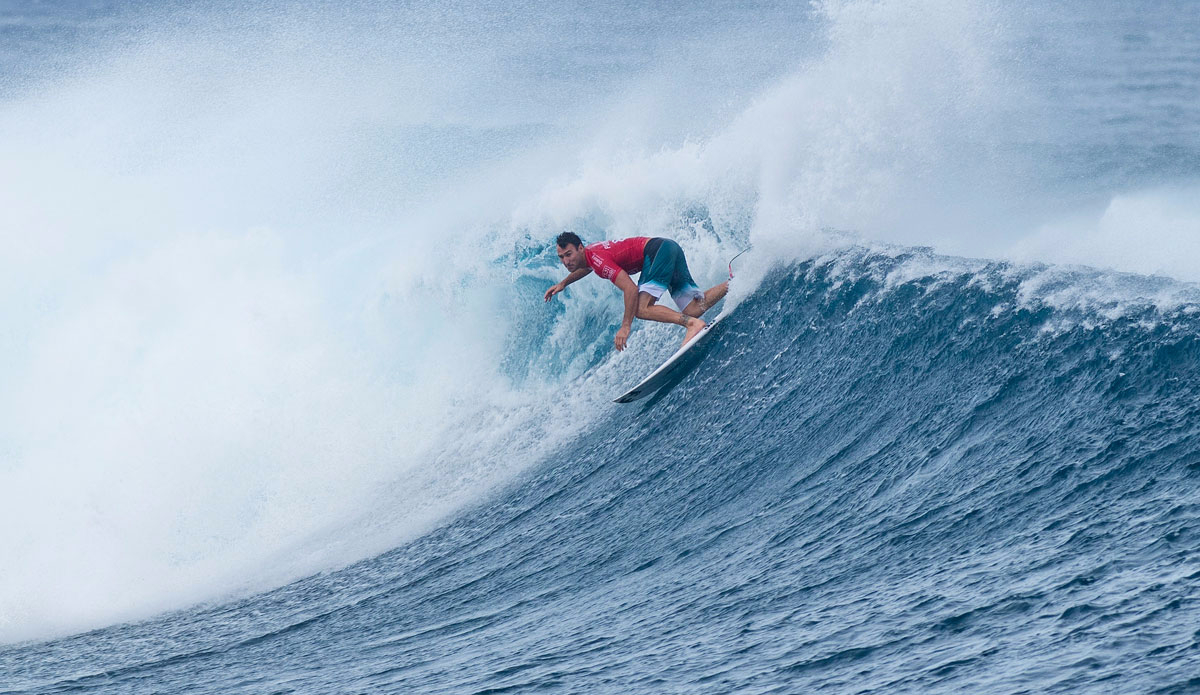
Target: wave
(894,468)
(273,279)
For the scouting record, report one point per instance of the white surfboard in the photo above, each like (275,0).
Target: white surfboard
(659,376)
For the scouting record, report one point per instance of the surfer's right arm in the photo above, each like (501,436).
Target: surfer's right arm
(630,290)
(575,275)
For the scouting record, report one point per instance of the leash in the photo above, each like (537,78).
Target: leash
(731,260)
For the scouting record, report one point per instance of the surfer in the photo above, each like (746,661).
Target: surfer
(663,270)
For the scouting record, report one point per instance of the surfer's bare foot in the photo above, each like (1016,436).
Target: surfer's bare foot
(694,326)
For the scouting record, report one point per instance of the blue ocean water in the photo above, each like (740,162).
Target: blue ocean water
(285,411)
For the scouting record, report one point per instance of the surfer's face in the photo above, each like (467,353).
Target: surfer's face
(571,256)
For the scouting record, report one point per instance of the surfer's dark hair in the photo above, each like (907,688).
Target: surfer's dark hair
(568,238)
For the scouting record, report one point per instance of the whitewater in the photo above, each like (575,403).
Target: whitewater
(283,410)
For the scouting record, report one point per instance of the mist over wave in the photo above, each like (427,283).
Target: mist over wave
(273,277)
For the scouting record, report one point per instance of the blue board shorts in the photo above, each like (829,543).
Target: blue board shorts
(664,269)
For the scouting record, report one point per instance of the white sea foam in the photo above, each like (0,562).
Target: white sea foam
(236,352)
(1154,231)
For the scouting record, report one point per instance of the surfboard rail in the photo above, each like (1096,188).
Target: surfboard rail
(657,378)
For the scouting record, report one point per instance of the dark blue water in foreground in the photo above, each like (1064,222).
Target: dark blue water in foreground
(870,484)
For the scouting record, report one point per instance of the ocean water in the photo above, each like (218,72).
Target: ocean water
(283,410)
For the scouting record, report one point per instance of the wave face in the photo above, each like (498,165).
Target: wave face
(892,472)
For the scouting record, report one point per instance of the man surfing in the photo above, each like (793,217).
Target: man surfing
(663,270)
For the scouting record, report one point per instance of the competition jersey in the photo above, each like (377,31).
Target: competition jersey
(609,258)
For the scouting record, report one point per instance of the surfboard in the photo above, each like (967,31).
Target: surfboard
(659,377)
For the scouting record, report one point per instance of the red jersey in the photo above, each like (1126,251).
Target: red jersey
(609,258)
